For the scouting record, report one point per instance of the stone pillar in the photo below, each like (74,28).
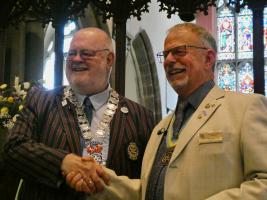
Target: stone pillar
(34,51)
(2,54)
(258,44)
(15,52)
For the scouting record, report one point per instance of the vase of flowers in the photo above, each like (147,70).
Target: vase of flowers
(11,103)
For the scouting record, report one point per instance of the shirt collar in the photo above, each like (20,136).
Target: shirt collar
(199,94)
(97,100)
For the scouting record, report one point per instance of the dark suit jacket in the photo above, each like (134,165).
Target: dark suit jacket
(46,131)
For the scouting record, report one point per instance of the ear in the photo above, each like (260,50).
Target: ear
(210,58)
(110,59)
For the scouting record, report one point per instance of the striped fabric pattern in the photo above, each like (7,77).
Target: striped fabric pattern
(46,131)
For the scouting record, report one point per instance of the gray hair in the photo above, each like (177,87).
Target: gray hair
(205,36)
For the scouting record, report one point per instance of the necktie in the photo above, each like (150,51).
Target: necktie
(88,109)
(179,116)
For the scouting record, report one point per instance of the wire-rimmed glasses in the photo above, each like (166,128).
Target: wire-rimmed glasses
(85,54)
(177,52)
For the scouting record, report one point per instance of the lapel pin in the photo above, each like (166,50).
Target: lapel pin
(132,151)
(64,102)
(124,109)
(165,159)
(207,105)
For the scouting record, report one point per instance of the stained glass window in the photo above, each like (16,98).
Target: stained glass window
(227,77)
(226,27)
(235,48)
(265,47)
(244,34)
(245,79)
(265,75)
(265,32)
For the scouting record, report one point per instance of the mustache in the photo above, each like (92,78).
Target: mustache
(78,65)
(171,68)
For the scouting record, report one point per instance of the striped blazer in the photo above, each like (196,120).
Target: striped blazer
(46,131)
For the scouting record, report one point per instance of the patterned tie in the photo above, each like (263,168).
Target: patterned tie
(179,116)
(88,109)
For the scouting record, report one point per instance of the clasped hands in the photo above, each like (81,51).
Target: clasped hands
(83,174)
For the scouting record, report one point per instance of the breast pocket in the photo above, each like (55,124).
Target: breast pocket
(213,142)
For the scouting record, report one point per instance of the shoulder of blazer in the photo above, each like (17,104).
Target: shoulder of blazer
(40,99)
(134,108)
(123,101)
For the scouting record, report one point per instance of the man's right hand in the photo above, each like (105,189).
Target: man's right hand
(83,174)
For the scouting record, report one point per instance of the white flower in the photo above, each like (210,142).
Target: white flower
(22,93)
(16,81)
(26,85)
(20,107)
(17,88)
(9,124)
(14,119)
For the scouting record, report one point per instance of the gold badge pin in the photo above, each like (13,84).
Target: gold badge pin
(199,116)
(124,110)
(166,157)
(133,151)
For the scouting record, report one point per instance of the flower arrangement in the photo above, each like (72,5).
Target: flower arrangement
(11,102)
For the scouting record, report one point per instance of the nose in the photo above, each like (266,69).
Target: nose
(170,57)
(169,61)
(77,57)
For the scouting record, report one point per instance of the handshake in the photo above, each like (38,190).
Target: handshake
(84,174)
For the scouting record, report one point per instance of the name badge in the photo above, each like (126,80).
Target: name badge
(210,137)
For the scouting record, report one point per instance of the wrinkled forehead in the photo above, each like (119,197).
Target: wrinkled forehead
(87,40)
(181,37)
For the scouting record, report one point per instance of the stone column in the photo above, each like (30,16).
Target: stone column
(258,44)
(2,54)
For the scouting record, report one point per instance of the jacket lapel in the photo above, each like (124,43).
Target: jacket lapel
(153,146)
(117,130)
(70,127)
(205,110)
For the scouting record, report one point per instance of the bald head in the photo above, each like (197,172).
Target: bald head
(101,38)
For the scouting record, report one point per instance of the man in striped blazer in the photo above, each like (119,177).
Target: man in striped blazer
(88,118)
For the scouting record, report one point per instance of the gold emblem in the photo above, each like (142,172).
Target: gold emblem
(133,151)
(124,110)
(167,156)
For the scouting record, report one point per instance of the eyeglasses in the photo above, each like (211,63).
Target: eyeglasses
(177,52)
(85,54)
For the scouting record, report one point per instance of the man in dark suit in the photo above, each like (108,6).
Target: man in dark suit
(88,118)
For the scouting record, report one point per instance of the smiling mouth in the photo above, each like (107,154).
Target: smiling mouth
(78,67)
(176,71)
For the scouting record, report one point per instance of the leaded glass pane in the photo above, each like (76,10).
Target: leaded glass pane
(226,42)
(231,27)
(226,77)
(245,34)
(265,32)
(265,78)
(245,78)
(220,3)
(233,3)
